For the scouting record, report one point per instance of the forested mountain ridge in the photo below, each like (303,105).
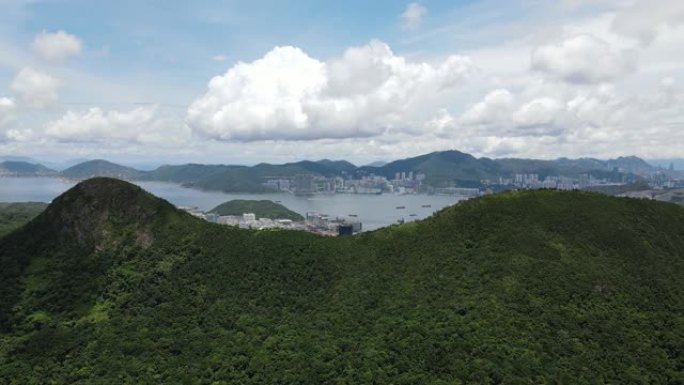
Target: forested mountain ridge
(520,287)
(442,168)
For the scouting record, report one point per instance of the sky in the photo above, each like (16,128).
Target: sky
(243,82)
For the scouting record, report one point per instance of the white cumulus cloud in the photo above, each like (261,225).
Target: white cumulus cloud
(35,88)
(142,125)
(537,112)
(288,95)
(583,59)
(413,15)
(494,107)
(56,46)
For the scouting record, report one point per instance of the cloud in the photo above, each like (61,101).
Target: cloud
(413,15)
(528,114)
(583,59)
(21,135)
(495,107)
(644,20)
(139,125)
(7,109)
(35,88)
(56,46)
(538,112)
(288,95)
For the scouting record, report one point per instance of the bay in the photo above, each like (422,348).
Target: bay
(374,211)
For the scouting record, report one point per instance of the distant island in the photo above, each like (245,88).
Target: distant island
(260,208)
(26,169)
(101,168)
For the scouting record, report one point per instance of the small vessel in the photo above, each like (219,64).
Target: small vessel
(353,215)
(401,207)
(426,206)
(413,215)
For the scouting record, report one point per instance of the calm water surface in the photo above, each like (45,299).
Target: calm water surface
(373,211)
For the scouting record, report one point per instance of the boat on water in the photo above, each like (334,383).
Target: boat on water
(401,207)
(353,215)
(413,215)
(424,206)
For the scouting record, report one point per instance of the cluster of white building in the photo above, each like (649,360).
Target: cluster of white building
(245,221)
(307,184)
(315,222)
(249,221)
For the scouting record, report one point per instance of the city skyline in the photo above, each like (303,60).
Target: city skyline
(267,81)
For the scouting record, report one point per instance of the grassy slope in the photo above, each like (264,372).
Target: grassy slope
(525,287)
(261,208)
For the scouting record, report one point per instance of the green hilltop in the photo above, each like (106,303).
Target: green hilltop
(112,285)
(261,208)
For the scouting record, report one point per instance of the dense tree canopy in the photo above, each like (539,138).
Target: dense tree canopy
(519,287)
(15,215)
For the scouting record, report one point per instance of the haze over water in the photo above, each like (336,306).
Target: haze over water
(374,211)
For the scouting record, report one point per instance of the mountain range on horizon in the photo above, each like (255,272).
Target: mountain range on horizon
(151,165)
(442,168)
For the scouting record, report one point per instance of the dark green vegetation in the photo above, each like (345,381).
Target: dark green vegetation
(20,168)
(15,215)
(262,209)
(111,285)
(102,168)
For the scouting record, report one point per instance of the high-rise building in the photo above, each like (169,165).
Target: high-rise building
(304,184)
(584,181)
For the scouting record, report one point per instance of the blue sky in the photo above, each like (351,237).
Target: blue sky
(250,81)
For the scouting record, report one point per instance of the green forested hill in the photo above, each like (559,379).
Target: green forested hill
(15,215)
(261,208)
(111,285)
(446,168)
